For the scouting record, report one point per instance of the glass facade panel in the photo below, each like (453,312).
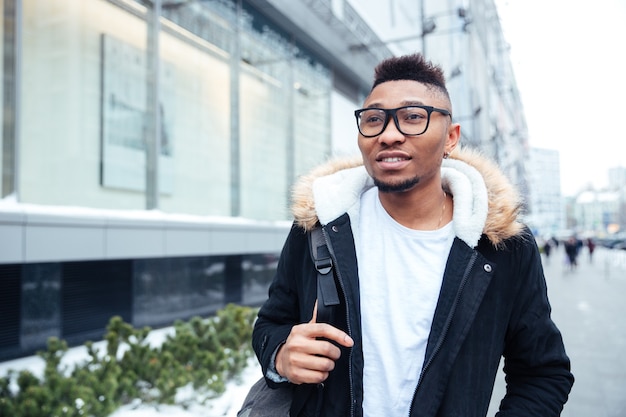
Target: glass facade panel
(177,288)
(41,304)
(84,106)
(312,119)
(285,118)
(10,309)
(197,130)
(86,93)
(257,274)
(263,150)
(60,149)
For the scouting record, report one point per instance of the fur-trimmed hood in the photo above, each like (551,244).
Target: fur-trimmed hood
(485,202)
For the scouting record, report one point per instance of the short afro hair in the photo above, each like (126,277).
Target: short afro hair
(410,67)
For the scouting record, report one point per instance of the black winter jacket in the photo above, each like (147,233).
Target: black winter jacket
(493,303)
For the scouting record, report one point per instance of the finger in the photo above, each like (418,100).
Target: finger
(333,333)
(322,331)
(315,363)
(302,367)
(329,332)
(307,376)
(314,370)
(314,318)
(318,346)
(306,362)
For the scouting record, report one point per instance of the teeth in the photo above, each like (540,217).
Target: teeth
(395,159)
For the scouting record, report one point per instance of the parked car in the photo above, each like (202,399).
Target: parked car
(613,241)
(620,244)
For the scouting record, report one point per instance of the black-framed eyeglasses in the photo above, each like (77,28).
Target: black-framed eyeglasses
(410,120)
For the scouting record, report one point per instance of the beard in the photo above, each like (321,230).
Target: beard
(405,185)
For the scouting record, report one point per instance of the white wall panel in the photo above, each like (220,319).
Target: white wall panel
(28,235)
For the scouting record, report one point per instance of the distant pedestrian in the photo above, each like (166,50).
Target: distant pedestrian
(571,252)
(547,249)
(579,245)
(591,246)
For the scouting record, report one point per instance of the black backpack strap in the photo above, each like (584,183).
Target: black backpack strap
(327,295)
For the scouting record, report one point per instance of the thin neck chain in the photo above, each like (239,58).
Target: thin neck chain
(443,209)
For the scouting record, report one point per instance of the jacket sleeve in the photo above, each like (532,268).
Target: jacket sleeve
(536,367)
(286,305)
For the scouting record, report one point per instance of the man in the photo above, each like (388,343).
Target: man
(437,277)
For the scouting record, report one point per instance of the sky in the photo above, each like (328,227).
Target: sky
(569,61)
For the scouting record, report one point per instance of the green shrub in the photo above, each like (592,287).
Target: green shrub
(203,353)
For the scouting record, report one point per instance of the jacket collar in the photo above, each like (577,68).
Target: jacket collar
(485,202)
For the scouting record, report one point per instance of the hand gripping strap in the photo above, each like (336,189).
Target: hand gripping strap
(327,296)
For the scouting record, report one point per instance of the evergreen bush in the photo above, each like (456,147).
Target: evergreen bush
(202,353)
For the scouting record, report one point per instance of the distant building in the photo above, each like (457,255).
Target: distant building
(545,203)
(617,178)
(600,212)
(597,212)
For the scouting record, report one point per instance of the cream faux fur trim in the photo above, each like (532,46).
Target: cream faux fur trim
(484,200)
(504,201)
(470,199)
(303,204)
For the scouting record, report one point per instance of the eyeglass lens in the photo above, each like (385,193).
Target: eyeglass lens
(409,120)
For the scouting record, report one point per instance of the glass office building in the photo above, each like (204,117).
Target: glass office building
(92,98)
(148,150)
(149,146)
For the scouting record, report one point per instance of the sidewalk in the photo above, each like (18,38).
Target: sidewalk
(588,307)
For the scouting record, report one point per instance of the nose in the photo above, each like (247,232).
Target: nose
(391,134)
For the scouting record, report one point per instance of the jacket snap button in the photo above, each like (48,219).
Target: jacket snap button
(487,268)
(335,229)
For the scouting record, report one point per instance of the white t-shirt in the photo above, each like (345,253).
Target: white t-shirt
(400,276)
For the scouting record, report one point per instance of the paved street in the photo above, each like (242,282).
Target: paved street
(589,307)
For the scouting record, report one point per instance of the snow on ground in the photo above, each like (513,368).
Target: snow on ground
(226,405)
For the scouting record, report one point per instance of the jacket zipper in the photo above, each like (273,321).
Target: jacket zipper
(343,290)
(446,328)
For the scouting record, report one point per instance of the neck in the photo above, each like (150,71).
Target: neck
(420,211)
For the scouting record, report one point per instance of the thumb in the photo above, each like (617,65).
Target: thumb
(314,318)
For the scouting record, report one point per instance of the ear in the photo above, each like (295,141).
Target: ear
(453,137)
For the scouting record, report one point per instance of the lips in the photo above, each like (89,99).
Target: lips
(392,160)
(394,156)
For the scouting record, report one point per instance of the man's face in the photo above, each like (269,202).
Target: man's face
(397,162)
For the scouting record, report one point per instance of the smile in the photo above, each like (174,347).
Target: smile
(393,159)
